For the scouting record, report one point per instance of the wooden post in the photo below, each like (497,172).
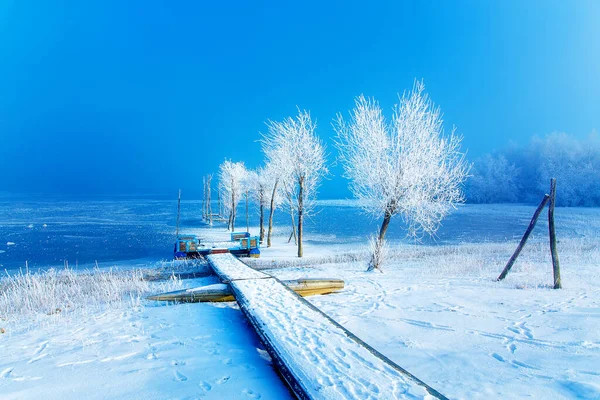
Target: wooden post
(204,198)
(178,212)
(209,199)
(513,258)
(555,263)
(247,215)
(219,201)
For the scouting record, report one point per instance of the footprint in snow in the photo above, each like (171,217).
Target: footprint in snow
(6,373)
(205,386)
(498,357)
(251,394)
(180,377)
(223,380)
(512,348)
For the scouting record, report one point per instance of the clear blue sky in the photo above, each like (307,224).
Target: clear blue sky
(121,97)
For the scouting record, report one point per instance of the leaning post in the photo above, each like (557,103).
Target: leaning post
(513,258)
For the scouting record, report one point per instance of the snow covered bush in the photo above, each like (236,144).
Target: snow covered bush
(60,291)
(408,167)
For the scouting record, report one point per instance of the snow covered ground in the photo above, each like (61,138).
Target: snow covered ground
(435,310)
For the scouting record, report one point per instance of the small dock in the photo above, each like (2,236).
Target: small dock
(316,356)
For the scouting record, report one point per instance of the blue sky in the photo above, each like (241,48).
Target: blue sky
(144,97)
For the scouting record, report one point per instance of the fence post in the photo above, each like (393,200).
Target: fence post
(513,258)
(552,231)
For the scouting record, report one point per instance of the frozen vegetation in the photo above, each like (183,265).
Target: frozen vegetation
(522,173)
(435,310)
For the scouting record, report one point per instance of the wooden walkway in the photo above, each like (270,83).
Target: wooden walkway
(317,357)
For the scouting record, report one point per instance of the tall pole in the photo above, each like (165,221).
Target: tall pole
(209,204)
(552,231)
(247,217)
(178,212)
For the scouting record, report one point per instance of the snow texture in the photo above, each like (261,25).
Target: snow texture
(230,268)
(324,360)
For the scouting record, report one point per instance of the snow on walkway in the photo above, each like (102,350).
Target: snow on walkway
(317,357)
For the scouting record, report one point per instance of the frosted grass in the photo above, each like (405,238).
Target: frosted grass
(44,297)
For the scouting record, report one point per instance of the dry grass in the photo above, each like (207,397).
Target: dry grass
(579,258)
(53,294)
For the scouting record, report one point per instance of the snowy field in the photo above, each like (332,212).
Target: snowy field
(435,310)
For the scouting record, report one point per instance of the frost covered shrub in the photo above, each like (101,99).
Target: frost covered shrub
(523,174)
(57,291)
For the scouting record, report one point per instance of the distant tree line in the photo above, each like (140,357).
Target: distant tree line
(521,174)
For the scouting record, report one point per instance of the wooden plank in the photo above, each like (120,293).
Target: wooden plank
(316,357)
(229,268)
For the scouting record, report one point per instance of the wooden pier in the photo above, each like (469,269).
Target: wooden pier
(316,356)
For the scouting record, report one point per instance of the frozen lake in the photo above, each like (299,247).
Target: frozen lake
(46,232)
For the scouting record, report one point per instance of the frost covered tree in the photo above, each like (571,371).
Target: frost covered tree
(494,180)
(293,149)
(408,167)
(273,177)
(248,186)
(232,177)
(259,187)
(265,192)
(522,173)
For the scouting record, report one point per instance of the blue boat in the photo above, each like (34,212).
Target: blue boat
(242,245)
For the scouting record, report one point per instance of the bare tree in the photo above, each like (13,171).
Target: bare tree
(272,177)
(250,186)
(408,167)
(260,189)
(231,176)
(292,147)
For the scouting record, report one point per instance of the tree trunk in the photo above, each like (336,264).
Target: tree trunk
(233,210)
(300,216)
(209,195)
(271,212)
(247,216)
(262,222)
(219,201)
(552,231)
(513,258)
(293,233)
(204,198)
(384,227)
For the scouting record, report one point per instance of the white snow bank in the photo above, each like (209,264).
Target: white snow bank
(152,352)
